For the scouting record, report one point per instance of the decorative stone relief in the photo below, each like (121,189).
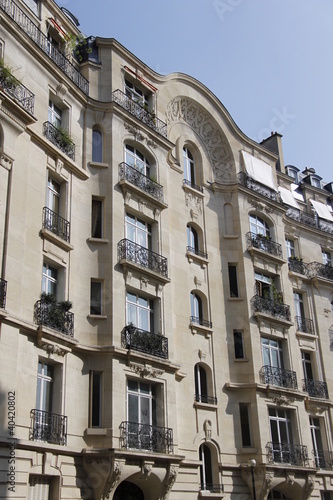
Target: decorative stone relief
(61,90)
(53,349)
(208,429)
(309,487)
(169,480)
(146,469)
(134,131)
(282,401)
(145,370)
(113,479)
(6,162)
(192,200)
(183,109)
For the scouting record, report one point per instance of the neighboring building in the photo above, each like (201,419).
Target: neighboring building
(196,360)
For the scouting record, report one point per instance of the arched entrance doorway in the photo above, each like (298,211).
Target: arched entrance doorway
(128,491)
(275,494)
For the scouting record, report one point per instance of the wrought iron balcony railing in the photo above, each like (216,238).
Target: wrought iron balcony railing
(200,321)
(139,112)
(316,269)
(310,220)
(213,488)
(278,376)
(187,182)
(138,179)
(56,224)
(146,437)
(203,398)
(3,293)
(41,40)
(297,266)
(315,388)
(49,427)
(59,139)
(196,251)
(17,91)
(132,252)
(263,243)
(323,459)
(304,325)
(142,341)
(53,315)
(272,307)
(286,453)
(249,183)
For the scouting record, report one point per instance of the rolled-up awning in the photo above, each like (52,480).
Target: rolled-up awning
(259,171)
(288,198)
(322,210)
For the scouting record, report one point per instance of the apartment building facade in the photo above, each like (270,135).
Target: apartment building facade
(166,292)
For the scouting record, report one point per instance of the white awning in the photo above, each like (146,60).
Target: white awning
(296,195)
(259,170)
(288,198)
(322,210)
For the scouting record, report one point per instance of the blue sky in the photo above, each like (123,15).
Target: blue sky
(268,61)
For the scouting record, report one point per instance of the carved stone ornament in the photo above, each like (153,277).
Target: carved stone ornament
(282,400)
(194,201)
(208,429)
(313,407)
(169,480)
(113,479)
(309,487)
(134,131)
(6,162)
(53,349)
(145,371)
(146,469)
(183,109)
(267,483)
(62,90)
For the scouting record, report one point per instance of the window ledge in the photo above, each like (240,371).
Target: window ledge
(205,406)
(95,431)
(192,190)
(48,235)
(98,164)
(97,240)
(249,449)
(235,299)
(201,329)
(97,316)
(209,494)
(193,257)
(241,360)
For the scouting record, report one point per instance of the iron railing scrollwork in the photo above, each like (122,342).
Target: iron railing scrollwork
(54,316)
(316,269)
(271,307)
(15,89)
(197,252)
(143,341)
(315,388)
(3,293)
(323,459)
(203,398)
(296,265)
(246,181)
(135,109)
(146,437)
(287,453)
(56,224)
(195,320)
(130,251)
(49,427)
(263,243)
(304,325)
(310,220)
(138,179)
(187,182)
(278,376)
(41,40)
(59,139)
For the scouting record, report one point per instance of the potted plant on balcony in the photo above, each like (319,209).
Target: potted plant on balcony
(7,80)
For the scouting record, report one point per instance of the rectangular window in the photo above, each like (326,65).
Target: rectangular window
(281,435)
(139,312)
(290,245)
(39,488)
(95,399)
(327,259)
(55,114)
(49,280)
(233,285)
(96,297)
(238,345)
(245,423)
(263,285)
(96,218)
(326,495)
(44,387)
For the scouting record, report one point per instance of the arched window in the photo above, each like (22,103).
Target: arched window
(196,308)
(189,166)
(97,146)
(206,473)
(192,240)
(137,160)
(201,388)
(258,226)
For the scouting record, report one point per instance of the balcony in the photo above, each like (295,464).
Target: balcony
(285,453)
(248,182)
(56,224)
(146,437)
(296,265)
(315,388)
(304,325)
(318,270)
(60,139)
(263,243)
(187,182)
(3,293)
(129,251)
(197,252)
(146,342)
(55,315)
(203,398)
(323,459)
(272,307)
(212,488)
(135,109)
(278,376)
(37,36)
(195,320)
(310,220)
(141,181)
(49,427)
(17,91)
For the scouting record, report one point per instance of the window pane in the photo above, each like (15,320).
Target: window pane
(245,423)
(133,413)
(95,297)
(238,345)
(97,146)
(96,219)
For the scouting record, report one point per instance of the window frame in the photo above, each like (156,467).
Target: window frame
(239,353)
(233,280)
(259,226)
(245,423)
(97,217)
(189,166)
(49,282)
(95,398)
(97,145)
(139,309)
(96,303)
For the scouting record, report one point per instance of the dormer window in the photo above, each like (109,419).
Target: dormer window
(292,172)
(315,181)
